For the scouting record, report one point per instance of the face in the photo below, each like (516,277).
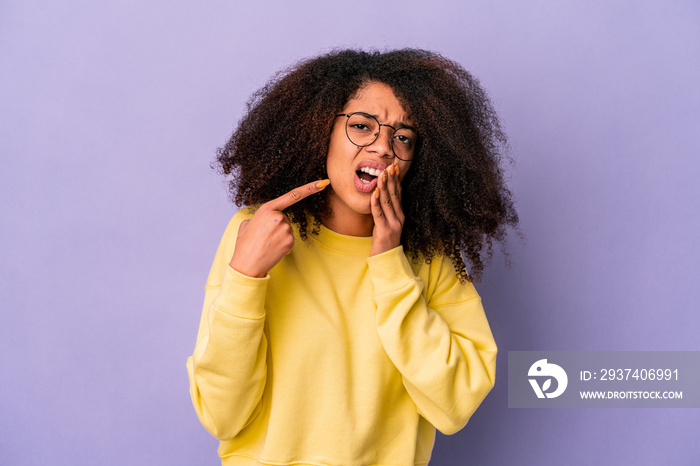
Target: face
(351,188)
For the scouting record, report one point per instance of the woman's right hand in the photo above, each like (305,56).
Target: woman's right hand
(267,237)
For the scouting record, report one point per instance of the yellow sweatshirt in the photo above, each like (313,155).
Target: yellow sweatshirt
(337,358)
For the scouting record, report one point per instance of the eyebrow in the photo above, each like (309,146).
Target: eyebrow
(401,124)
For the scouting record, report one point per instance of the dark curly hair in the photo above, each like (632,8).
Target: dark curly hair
(454,196)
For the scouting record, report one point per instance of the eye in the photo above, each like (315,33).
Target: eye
(360,127)
(404,140)
(362,124)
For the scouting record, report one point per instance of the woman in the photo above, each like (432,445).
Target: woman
(340,326)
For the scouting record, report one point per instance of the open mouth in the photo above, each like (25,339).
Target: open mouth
(366,179)
(367,174)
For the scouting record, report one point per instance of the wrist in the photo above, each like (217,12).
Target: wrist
(247,269)
(379,247)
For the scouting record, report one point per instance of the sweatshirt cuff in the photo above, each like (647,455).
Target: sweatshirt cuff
(390,271)
(241,295)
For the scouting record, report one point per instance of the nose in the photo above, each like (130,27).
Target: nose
(382,145)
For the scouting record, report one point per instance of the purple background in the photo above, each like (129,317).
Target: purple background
(111,112)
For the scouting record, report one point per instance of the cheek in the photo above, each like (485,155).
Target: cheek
(332,162)
(341,155)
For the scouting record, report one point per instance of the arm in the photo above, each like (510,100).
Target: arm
(443,347)
(227,370)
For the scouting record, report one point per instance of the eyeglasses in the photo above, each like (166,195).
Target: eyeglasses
(363,129)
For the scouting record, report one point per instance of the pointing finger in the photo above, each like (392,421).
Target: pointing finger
(297,194)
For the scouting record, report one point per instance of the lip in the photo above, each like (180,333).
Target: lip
(371,164)
(368,187)
(365,187)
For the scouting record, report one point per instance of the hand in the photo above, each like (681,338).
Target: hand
(267,237)
(387,211)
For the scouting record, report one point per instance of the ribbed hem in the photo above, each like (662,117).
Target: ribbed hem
(241,295)
(390,271)
(247,461)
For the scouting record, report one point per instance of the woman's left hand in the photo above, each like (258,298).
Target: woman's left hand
(387,211)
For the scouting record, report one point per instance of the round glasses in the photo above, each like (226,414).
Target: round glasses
(363,129)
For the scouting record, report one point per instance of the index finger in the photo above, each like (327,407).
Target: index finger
(297,194)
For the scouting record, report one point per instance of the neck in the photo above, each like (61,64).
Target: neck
(349,223)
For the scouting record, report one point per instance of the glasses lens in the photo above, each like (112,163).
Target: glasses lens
(404,143)
(362,129)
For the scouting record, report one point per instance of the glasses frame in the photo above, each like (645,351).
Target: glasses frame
(376,136)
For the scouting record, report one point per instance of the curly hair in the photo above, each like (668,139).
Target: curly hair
(455,198)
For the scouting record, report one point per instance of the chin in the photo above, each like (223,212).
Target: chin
(360,206)
(354,203)
(357,210)
(363,206)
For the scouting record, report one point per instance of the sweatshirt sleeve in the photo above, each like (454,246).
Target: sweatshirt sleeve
(227,370)
(439,340)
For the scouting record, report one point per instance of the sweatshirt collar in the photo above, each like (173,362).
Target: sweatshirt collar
(345,244)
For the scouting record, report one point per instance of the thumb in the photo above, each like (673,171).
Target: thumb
(243,226)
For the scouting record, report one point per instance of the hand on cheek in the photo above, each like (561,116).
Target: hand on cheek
(387,212)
